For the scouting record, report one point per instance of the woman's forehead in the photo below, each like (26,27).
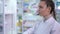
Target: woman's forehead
(42,3)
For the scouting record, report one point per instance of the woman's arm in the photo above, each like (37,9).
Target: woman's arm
(32,30)
(29,31)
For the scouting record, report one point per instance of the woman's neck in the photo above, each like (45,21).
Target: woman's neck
(47,17)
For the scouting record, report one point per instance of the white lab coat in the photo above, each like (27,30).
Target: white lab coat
(50,26)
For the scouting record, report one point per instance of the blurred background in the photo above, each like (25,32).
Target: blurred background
(17,16)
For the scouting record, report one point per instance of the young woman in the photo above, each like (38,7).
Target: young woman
(49,24)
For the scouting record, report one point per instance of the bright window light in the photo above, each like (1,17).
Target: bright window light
(58,7)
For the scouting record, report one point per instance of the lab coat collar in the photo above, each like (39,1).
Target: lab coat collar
(49,19)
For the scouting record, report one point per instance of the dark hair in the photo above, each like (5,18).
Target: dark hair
(51,4)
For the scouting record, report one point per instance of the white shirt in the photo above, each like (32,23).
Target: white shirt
(50,26)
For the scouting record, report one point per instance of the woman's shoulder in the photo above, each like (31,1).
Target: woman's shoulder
(57,25)
(56,28)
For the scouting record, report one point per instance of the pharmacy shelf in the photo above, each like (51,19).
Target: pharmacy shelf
(10,13)
(1,17)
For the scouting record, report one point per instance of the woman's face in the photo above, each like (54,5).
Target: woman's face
(43,9)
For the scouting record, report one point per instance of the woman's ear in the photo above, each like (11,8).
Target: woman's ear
(49,9)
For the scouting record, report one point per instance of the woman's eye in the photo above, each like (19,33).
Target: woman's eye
(40,7)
